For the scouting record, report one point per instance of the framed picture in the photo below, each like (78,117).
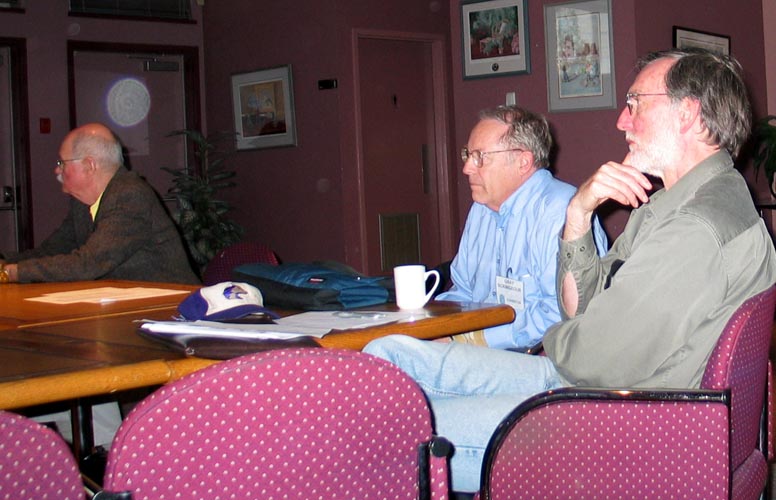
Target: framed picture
(684,38)
(580,56)
(495,38)
(263,104)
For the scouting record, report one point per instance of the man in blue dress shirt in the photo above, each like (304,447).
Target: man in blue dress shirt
(509,248)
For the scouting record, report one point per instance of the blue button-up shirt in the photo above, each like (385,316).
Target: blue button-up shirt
(520,242)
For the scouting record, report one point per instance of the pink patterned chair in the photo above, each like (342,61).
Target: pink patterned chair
(294,424)
(709,443)
(219,269)
(35,462)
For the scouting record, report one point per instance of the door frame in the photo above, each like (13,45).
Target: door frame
(20,124)
(441,141)
(190,55)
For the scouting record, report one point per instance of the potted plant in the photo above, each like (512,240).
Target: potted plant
(201,217)
(765,149)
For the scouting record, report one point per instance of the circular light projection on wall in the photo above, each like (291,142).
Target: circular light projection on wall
(128,102)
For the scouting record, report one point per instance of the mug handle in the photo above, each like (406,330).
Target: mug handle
(434,273)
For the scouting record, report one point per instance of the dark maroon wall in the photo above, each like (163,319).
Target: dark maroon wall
(292,197)
(296,199)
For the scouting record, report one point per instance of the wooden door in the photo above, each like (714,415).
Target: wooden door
(15,220)
(399,157)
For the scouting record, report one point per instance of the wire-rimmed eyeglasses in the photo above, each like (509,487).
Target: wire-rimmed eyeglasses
(632,99)
(478,156)
(61,163)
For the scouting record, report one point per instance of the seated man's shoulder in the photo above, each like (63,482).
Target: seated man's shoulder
(132,182)
(556,194)
(130,177)
(724,204)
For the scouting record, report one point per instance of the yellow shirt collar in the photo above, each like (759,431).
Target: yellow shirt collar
(95,207)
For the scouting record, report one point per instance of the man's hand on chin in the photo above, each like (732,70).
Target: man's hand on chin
(612,181)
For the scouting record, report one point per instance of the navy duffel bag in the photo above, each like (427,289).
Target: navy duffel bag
(318,286)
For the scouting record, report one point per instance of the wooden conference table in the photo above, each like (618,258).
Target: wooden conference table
(53,352)
(17,311)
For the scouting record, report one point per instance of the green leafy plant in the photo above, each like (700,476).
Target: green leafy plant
(202,217)
(765,149)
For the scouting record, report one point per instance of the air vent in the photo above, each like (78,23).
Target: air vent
(399,239)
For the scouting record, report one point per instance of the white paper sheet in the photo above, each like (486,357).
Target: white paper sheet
(104,295)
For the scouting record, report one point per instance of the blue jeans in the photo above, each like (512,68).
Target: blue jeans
(470,389)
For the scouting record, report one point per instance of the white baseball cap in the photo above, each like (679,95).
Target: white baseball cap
(223,301)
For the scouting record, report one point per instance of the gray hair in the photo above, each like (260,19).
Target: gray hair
(107,151)
(715,81)
(527,130)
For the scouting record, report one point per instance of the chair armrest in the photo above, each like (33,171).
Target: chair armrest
(767,436)
(433,481)
(595,443)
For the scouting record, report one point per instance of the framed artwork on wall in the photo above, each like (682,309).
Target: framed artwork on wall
(688,38)
(495,38)
(580,55)
(263,103)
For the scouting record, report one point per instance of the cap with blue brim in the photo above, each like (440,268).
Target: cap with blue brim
(223,301)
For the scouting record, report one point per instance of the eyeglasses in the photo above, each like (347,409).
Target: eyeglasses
(61,163)
(478,156)
(632,99)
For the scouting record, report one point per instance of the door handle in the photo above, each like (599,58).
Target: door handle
(8,196)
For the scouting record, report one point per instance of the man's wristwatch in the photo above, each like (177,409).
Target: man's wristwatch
(4,278)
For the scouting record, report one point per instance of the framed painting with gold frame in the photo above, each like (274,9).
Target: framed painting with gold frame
(263,103)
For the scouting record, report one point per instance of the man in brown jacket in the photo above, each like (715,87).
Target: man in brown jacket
(116,227)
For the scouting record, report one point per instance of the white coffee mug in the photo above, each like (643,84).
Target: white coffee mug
(410,283)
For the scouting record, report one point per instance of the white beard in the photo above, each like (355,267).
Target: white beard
(646,162)
(659,154)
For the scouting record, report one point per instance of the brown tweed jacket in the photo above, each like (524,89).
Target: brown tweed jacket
(132,238)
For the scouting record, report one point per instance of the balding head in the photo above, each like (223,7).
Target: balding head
(89,158)
(96,141)
(96,130)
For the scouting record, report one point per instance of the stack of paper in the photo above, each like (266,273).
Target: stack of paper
(312,324)
(229,330)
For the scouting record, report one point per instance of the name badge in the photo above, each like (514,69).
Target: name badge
(510,292)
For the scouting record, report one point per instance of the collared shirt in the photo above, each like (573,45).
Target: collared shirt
(95,207)
(520,242)
(650,312)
